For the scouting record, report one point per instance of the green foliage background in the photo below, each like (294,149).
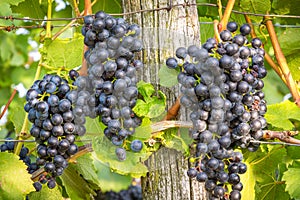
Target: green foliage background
(273,171)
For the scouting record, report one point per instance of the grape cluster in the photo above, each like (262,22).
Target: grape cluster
(112,71)
(55,124)
(132,193)
(221,83)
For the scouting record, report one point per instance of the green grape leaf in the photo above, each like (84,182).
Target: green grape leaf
(141,108)
(293,151)
(31,8)
(109,180)
(291,178)
(255,6)
(15,181)
(17,113)
(144,131)
(274,89)
(287,46)
(207,10)
(207,30)
(93,126)
(151,106)
(76,187)
(279,115)
(270,189)
(261,164)
(281,7)
(12,2)
(145,89)
(293,62)
(64,52)
(156,107)
(108,6)
(46,194)
(173,141)
(133,166)
(5,10)
(167,76)
(85,166)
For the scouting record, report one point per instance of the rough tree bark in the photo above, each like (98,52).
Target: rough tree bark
(163,31)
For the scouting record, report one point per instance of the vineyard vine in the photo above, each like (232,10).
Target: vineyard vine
(78,121)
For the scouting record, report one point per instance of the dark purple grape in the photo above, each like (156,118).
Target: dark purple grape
(232,26)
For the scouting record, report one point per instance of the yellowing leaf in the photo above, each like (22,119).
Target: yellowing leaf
(280,115)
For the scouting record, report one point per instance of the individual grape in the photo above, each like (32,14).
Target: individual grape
(232,26)
(245,29)
(235,195)
(192,173)
(121,153)
(225,35)
(38,186)
(181,52)
(136,145)
(171,63)
(51,184)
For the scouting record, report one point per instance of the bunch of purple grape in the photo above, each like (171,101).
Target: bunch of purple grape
(112,76)
(222,85)
(55,124)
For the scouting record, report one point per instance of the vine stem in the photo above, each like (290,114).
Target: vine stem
(282,61)
(226,15)
(87,11)
(8,103)
(268,58)
(285,136)
(49,16)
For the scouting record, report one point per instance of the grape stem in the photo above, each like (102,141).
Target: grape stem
(8,103)
(226,15)
(216,31)
(268,58)
(82,150)
(49,16)
(282,61)
(76,9)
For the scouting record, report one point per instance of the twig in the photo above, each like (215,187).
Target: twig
(282,61)
(173,111)
(268,58)
(284,136)
(82,150)
(226,15)
(8,103)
